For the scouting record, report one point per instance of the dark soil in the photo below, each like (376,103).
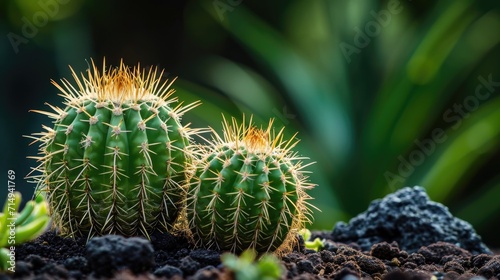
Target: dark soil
(402,236)
(170,257)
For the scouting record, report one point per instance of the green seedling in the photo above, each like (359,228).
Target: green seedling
(17,228)
(245,267)
(114,161)
(248,190)
(317,244)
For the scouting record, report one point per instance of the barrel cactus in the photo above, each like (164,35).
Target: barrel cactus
(247,190)
(115,159)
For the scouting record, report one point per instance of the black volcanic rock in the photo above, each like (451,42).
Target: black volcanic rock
(110,253)
(411,219)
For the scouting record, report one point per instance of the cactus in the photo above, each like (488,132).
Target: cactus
(115,160)
(17,228)
(247,190)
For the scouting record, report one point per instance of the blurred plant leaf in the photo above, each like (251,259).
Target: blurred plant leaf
(304,84)
(479,137)
(361,116)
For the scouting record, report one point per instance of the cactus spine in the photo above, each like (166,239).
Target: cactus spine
(247,190)
(115,159)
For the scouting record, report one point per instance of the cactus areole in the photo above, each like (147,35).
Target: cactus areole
(247,190)
(115,159)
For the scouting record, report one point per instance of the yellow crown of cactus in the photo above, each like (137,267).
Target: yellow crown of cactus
(247,191)
(115,159)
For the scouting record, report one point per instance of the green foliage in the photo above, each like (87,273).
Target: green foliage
(248,190)
(363,114)
(17,228)
(317,244)
(245,267)
(115,160)
(358,114)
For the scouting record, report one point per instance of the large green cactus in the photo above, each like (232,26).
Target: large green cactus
(247,190)
(115,160)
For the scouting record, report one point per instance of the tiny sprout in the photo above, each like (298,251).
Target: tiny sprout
(316,245)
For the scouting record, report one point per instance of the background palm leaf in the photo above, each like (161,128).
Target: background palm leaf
(357,115)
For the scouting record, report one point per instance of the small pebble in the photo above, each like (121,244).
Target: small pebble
(305,266)
(168,271)
(478,278)
(350,277)
(110,253)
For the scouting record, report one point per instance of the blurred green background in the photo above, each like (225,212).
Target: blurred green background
(384,94)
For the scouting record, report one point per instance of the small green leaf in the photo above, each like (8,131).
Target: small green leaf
(306,234)
(269,267)
(246,268)
(25,213)
(32,230)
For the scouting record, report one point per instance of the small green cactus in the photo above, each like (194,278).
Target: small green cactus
(247,190)
(115,159)
(17,228)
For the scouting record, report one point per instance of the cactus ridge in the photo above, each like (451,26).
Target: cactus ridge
(247,189)
(115,160)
